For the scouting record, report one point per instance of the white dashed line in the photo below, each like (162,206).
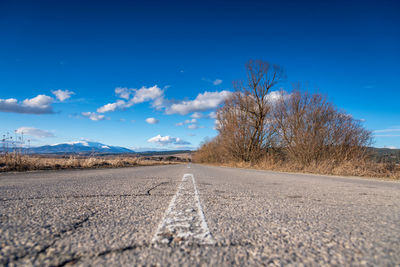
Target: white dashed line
(184,221)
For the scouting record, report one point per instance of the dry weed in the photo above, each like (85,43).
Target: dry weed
(17,162)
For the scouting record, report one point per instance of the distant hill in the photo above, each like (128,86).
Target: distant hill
(385,155)
(166,152)
(79,147)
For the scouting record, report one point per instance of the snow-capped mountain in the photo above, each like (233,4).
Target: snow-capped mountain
(79,147)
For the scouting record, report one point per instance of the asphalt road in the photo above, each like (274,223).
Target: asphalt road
(193,214)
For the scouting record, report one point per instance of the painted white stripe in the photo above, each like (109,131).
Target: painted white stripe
(184,221)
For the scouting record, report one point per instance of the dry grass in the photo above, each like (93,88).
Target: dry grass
(17,162)
(350,168)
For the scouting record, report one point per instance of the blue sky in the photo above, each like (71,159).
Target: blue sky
(165,60)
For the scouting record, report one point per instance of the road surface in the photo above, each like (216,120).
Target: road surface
(192,214)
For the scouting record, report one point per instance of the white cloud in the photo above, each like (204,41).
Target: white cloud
(274,96)
(145,94)
(34,132)
(62,95)
(387,130)
(151,120)
(41,104)
(93,116)
(186,122)
(167,140)
(212,115)
(196,115)
(40,101)
(217,81)
(204,101)
(193,126)
(214,82)
(191,121)
(120,104)
(390,132)
(123,92)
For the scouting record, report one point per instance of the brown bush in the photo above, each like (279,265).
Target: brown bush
(311,130)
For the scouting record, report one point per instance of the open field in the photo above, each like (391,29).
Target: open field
(17,162)
(189,214)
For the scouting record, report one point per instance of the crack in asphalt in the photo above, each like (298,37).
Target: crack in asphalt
(75,225)
(83,196)
(154,187)
(55,237)
(148,193)
(72,260)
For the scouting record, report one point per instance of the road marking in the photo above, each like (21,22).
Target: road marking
(184,221)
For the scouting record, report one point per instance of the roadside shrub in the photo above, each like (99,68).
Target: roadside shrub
(295,131)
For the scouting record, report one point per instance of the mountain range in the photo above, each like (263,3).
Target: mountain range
(79,147)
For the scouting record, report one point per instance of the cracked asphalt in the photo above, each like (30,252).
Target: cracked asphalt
(109,216)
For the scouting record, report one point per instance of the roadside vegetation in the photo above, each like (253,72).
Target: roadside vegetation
(262,127)
(15,155)
(17,162)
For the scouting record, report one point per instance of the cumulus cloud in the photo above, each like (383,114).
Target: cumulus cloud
(167,140)
(120,104)
(204,101)
(123,92)
(212,115)
(152,120)
(217,81)
(274,96)
(196,115)
(34,132)
(93,116)
(135,96)
(145,94)
(40,104)
(40,101)
(62,95)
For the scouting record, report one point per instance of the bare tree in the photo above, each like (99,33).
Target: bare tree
(243,121)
